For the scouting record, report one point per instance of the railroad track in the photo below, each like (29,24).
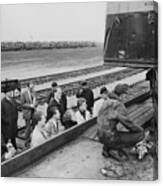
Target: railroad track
(71,87)
(94,82)
(55,77)
(30,156)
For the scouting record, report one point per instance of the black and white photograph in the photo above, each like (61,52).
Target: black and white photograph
(79,90)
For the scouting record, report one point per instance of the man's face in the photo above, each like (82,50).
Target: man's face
(17,92)
(54,88)
(32,87)
(104,96)
(83,107)
(84,87)
(57,115)
(58,94)
(9,94)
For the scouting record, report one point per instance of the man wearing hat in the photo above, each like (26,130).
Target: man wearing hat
(9,117)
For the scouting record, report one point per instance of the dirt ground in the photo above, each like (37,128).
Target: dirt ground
(26,64)
(82,159)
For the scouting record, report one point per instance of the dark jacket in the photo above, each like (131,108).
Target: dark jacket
(88,95)
(63,99)
(68,124)
(60,106)
(9,118)
(26,101)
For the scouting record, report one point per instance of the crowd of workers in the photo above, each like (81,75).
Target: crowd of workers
(39,126)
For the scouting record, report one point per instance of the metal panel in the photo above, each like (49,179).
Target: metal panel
(131,38)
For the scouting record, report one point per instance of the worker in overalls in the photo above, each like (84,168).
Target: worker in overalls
(111,113)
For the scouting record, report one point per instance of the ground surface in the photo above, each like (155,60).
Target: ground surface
(25,64)
(82,159)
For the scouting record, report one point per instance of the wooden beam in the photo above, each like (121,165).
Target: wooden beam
(32,155)
(144,63)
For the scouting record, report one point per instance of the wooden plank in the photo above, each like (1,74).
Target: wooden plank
(140,111)
(131,62)
(144,118)
(32,155)
(141,115)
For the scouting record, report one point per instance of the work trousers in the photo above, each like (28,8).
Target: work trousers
(121,139)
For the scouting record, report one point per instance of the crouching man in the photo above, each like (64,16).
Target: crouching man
(111,113)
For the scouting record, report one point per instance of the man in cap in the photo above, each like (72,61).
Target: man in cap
(110,114)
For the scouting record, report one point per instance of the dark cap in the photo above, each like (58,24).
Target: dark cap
(54,84)
(81,101)
(84,83)
(103,90)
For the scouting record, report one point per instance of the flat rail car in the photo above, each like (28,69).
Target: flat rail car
(131,34)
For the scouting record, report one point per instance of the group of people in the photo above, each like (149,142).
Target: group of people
(40,126)
(58,116)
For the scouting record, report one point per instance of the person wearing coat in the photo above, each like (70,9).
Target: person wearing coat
(82,115)
(9,118)
(29,104)
(50,97)
(57,102)
(86,93)
(53,124)
(111,113)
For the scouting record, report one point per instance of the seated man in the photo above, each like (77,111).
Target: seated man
(82,114)
(111,113)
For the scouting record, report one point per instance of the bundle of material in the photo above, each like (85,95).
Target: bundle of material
(143,147)
(121,89)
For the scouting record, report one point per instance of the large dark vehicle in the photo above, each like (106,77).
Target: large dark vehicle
(131,34)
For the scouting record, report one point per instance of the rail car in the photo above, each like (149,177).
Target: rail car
(131,34)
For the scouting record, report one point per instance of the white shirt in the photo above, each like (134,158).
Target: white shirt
(97,106)
(51,128)
(37,137)
(80,119)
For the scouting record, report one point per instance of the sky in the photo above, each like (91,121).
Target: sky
(53,22)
